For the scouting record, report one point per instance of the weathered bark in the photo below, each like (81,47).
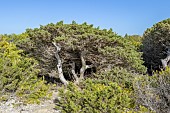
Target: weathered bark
(84,66)
(166,60)
(60,71)
(74,73)
(59,64)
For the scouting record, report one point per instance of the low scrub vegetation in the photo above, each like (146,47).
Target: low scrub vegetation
(96,70)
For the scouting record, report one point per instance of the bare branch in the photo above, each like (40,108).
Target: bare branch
(89,66)
(83,68)
(166,60)
(59,64)
(58,47)
(73,72)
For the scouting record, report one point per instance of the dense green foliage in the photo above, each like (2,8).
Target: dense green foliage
(153,91)
(119,75)
(110,92)
(155,43)
(116,61)
(18,73)
(104,48)
(95,97)
(135,39)
(115,83)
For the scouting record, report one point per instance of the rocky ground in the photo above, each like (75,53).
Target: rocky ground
(46,106)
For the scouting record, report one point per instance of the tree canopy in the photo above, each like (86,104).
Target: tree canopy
(156,43)
(103,48)
(94,70)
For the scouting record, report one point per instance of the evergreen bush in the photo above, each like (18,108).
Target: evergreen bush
(18,73)
(156,42)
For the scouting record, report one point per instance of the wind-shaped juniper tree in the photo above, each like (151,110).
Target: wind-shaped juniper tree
(156,45)
(84,50)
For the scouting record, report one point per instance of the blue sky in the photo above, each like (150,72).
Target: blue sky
(123,16)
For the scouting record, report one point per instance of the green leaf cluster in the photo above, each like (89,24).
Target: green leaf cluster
(156,41)
(18,73)
(104,48)
(94,97)
(109,92)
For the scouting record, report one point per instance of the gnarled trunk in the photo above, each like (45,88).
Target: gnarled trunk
(166,60)
(59,65)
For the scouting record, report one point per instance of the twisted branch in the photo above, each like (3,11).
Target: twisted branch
(166,60)
(74,73)
(84,66)
(59,64)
